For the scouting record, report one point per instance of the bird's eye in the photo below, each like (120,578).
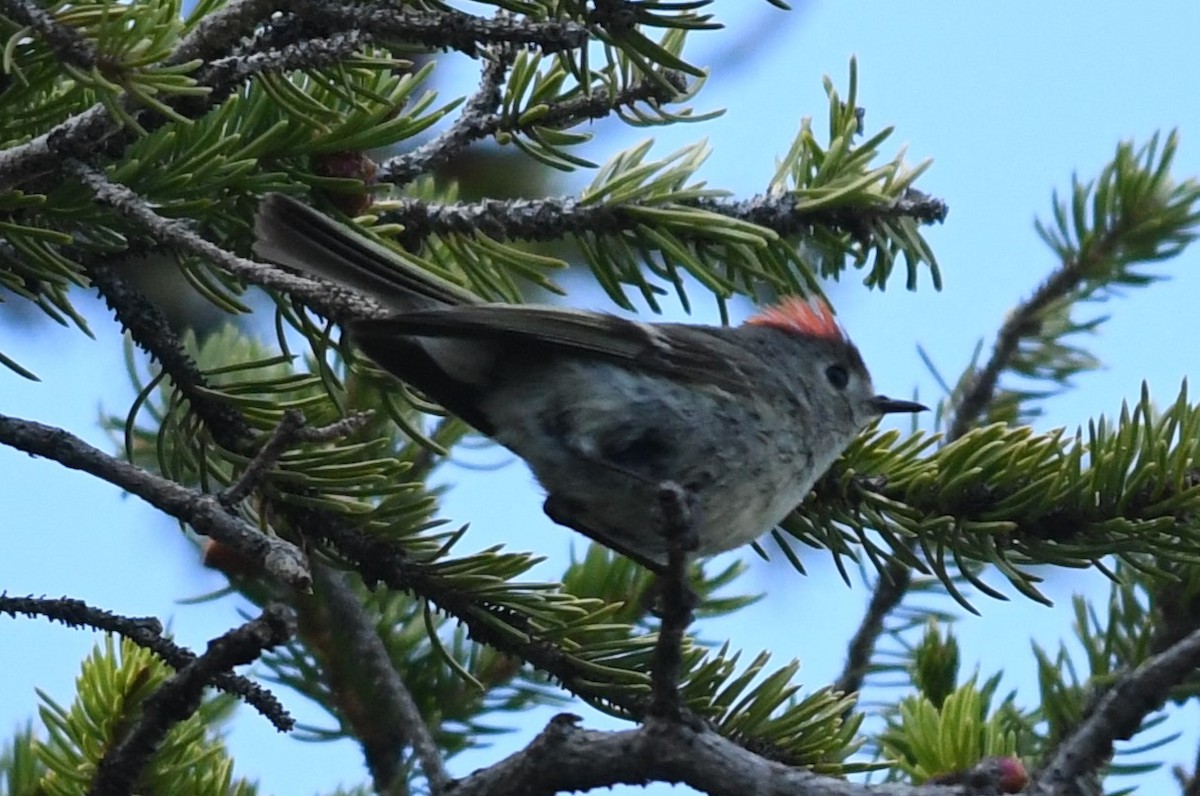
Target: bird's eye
(837,376)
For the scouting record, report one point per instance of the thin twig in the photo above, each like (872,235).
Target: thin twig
(470,126)
(479,120)
(889,592)
(1022,323)
(979,391)
(146,632)
(179,697)
(677,600)
(331,301)
(281,438)
(279,558)
(394,20)
(69,46)
(151,331)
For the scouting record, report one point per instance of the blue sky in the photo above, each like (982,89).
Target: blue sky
(1008,99)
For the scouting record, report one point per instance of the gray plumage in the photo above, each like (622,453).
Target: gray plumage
(602,408)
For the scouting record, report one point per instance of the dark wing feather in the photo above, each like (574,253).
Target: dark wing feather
(683,352)
(292,234)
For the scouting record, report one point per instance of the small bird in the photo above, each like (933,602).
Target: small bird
(603,409)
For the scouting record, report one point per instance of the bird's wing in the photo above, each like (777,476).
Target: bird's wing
(683,352)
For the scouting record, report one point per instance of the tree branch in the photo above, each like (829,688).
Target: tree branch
(68,45)
(567,758)
(479,120)
(1116,716)
(331,301)
(471,125)
(179,697)
(552,218)
(146,632)
(279,558)
(150,330)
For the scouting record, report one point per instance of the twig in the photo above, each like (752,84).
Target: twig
(479,120)
(392,718)
(221,30)
(1021,323)
(889,592)
(331,301)
(150,330)
(471,125)
(677,600)
(147,632)
(281,559)
(979,391)
(179,696)
(780,213)
(393,20)
(283,436)
(1116,715)
(291,429)
(69,46)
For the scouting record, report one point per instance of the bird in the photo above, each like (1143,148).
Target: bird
(607,410)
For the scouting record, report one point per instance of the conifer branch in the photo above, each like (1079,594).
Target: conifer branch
(149,329)
(1116,715)
(552,218)
(677,601)
(282,560)
(1138,214)
(567,758)
(147,632)
(69,47)
(179,697)
(331,301)
(471,125)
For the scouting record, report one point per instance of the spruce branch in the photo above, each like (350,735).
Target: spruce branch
(552,218)
(890,587)
(1008,496)
(219,32)
(394,21)
(279,558)
(1138,215)
(677,601)
(1116,715)
(215,42)
(330,301)
(292,429)
(566,757)
(225,75)
(520,621)
(470,126)
(179,697)
(150,330)
(147,632)
(68,45)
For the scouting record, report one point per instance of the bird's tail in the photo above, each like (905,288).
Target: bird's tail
(292,234)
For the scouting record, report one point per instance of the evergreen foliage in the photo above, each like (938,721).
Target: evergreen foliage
(137,140)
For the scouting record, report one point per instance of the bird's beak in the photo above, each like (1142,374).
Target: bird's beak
(884,405)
